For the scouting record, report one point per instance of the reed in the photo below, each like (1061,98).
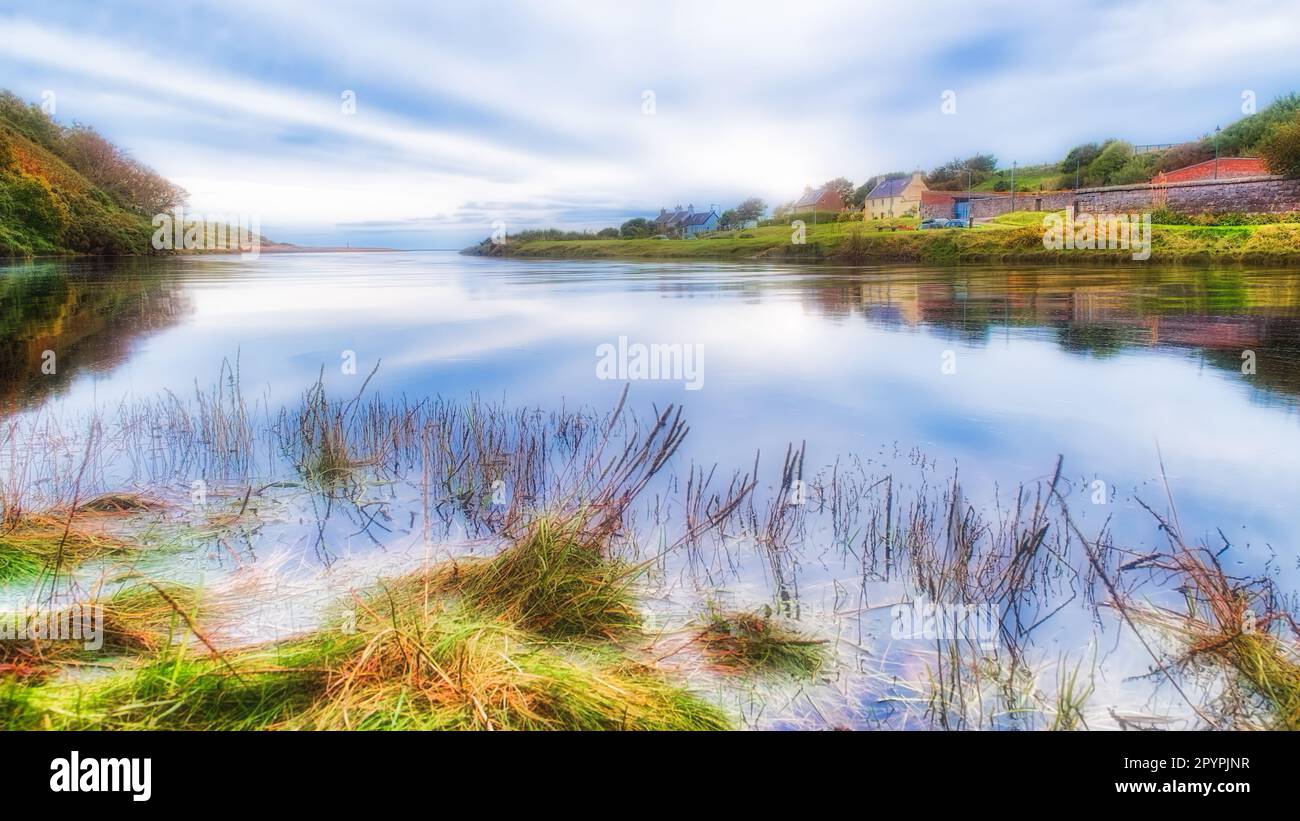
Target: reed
(1230,623)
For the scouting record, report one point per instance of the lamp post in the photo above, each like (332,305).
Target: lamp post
(1216,152)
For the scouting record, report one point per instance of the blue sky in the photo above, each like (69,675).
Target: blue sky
(535,113)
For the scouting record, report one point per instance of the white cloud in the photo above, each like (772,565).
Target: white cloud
(537,107)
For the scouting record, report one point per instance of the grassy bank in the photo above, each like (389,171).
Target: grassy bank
(1016,237)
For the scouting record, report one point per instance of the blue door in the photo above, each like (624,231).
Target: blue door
(962,210)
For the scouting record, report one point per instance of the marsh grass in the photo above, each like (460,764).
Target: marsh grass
(40,543)
(319,438)
(760,642)
(142,616)
(533,635)
(128,504)
(1071,700)
(148,615)
(406,659)
(430,665)
(1233,624)
(554,581)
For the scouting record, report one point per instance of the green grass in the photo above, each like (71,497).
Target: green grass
(1028,179)
(148,615)
(37,543)
(440,649)
(553,582)
(754,641)
(140,617)
(1016,237)
(424,668)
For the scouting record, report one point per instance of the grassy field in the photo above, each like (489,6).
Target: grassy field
(1013,237)
(1029,178)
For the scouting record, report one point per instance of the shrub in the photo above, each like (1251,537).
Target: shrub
(1281,149)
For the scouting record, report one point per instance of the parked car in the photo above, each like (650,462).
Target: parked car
(936,222)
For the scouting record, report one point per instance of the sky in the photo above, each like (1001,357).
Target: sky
(426,124)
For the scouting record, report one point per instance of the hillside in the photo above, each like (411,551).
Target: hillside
(66,189)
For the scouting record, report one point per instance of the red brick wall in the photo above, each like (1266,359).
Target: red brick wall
(1229,167)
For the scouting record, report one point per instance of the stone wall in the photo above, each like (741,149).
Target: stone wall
(1258,195)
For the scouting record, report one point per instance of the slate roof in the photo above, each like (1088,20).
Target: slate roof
(888,189)
(811,197)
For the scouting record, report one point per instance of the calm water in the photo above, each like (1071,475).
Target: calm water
(990,371)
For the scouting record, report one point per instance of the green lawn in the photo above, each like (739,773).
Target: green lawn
(1029,178)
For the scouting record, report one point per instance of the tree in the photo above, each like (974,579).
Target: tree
(1079,157)
(840,186)
(635,228)
(1181,156)
(608,233)
(133,184)
(751,209)
(1105,169)
(1248,134)
(727,218)
(956,174)
(1281,149)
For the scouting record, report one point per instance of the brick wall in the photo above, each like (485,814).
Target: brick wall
(1224,168)
(1257,195)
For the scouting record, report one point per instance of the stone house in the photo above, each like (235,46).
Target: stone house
(895,198)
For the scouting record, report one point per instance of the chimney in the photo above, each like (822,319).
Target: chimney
(690,209)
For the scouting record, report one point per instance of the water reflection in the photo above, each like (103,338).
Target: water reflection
(1216,314)
(86,314)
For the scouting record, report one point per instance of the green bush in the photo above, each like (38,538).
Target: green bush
(1281,149)
(1247,135)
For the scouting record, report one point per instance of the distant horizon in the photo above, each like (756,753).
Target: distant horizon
(415,128)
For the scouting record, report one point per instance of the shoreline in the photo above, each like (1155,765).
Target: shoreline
(851,243)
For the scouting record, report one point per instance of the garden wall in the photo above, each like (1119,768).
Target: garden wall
(1258,195)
